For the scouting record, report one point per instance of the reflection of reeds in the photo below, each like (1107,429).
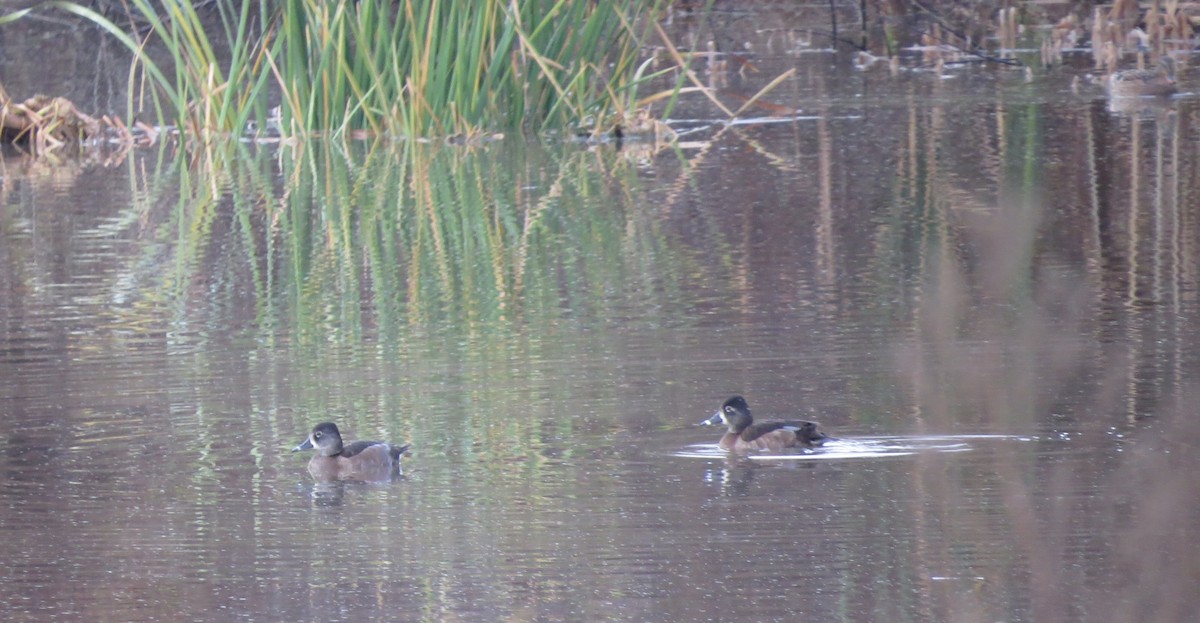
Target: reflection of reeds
(1003,329)
(399,235)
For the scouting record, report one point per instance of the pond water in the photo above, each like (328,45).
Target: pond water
(985,288)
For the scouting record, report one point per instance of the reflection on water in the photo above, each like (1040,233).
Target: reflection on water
(985,289)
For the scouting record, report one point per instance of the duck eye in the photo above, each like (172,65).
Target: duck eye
(317,435)
(728,409)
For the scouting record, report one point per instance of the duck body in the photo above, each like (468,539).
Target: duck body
(1144,82)
(743,434)
(357,460)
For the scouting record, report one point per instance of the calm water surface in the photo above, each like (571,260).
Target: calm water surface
(986,288)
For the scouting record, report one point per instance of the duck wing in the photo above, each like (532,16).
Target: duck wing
(805,432)
(356,447)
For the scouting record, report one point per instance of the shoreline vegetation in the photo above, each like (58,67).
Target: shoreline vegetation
(460,70)
(465,71)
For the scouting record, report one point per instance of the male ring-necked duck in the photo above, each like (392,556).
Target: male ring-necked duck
(743,434)
(357,460)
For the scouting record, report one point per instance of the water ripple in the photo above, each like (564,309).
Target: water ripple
(857,448)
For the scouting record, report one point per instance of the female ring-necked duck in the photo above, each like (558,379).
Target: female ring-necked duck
(357,460)
(743,434)
(1159,81)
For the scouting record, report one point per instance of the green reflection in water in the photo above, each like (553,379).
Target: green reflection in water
(405,279)
(402,237)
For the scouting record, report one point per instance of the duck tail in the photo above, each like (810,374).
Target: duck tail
(813,436)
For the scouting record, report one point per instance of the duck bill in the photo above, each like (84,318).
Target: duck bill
(712,421)
(307,444)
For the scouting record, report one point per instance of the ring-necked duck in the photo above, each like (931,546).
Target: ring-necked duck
(744,435)
(358,460)
(1144,82)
